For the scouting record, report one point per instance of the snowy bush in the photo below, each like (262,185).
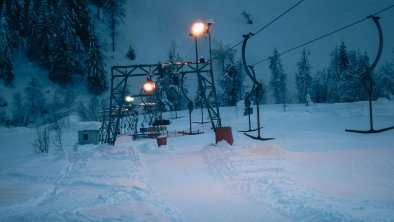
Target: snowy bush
(41,142)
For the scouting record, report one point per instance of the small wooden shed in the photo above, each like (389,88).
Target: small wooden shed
(89,132)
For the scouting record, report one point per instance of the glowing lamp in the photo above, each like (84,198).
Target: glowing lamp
(129,99)
(198,29)
(149,86)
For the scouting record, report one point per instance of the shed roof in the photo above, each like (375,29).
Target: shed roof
(92,125)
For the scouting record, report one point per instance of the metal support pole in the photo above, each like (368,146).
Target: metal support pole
(369,81)
(252,76)
(213,81)
(258,112)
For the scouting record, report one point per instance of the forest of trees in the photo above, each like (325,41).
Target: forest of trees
(344,80)
(60,36)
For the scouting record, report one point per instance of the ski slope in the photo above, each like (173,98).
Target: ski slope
(312,171)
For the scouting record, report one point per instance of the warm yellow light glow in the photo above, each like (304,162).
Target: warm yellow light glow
(129,99)
(198,29)
(149,86)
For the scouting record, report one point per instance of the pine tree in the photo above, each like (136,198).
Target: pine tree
(41,37)
(345,74)
(221,55)
(29,19)
(169,82)
(173,92)
(15,14)
(63,61)
(94,66)
(6,65)
(34,98)
(232,83)
(384,82)
(362,78)
(278,82)
(346,77)
(303,76)
(116,13)
(19,111)
(319,88)
(223,58)
(78,9)
(99,4)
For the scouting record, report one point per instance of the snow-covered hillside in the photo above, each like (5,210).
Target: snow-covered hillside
(312,171)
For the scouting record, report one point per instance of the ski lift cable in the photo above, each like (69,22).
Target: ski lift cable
(268,24)
(326,35)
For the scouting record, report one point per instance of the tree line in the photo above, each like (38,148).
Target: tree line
(59,35)
(344,80)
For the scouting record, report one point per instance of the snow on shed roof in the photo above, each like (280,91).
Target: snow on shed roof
(93,125)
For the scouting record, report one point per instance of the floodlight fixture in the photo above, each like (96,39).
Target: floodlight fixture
(198,29)
(149,86)
(129,99)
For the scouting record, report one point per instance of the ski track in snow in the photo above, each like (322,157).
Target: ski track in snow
(264,178)
(192,179)
(80,191)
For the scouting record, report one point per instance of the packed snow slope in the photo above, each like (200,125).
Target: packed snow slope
(312,171)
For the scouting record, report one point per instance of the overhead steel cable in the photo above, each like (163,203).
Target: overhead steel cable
(326,35)
(268,24)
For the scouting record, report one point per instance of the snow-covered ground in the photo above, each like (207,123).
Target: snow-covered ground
(312,171)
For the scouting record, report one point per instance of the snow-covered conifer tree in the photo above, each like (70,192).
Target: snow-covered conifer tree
(99,4)
(303,76)
(19,111)
(34,98)
(343,75)
(41,39)
(29,18)
(116,13)
(384,82)
(63,61)
(94,66)
(362,78)
(79,17)
(6,65)
(221,54)
(169,83)
(319,87)
(278,82)
(232,83)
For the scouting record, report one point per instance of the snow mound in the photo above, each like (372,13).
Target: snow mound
(382,100)
(223,144)
(270,150)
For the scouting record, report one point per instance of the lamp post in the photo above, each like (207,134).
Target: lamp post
(197,30)
(208,31)
(221,133)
